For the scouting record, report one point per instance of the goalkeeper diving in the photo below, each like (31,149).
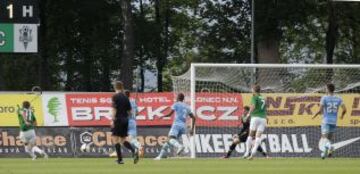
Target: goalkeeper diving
(243,134)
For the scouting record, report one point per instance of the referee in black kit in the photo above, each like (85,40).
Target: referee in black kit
(119,124)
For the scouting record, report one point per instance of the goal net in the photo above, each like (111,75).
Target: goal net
(218,93)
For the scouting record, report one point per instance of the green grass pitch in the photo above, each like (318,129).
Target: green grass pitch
(180,166)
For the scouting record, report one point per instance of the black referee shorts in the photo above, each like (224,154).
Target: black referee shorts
(243,136)
(120,128)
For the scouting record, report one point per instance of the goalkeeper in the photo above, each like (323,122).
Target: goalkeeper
(243,134)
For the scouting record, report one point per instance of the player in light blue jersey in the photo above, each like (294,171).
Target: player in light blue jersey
(329,107)
(132,129)
(178,127)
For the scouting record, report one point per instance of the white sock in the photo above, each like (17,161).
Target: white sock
(327,143)
(256,145)
(175,143)
(30,152)
(37,150)
(248,144)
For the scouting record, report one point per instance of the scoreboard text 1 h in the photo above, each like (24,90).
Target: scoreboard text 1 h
(19,21)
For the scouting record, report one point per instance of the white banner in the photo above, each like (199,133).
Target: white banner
(54,109)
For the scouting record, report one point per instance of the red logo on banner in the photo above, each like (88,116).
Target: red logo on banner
(212,109)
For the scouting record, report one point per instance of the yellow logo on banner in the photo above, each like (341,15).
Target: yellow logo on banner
(8,108)
(290,110)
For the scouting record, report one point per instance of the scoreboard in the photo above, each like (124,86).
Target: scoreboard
(19,21)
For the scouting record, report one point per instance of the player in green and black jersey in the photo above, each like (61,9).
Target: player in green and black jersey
(27,122)
(243,134)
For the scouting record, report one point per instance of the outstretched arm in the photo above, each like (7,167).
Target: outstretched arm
(319,112)
(343,112)
(193,123)
(252,107)
(167,115)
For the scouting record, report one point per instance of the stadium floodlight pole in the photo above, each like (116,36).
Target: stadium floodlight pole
(192,105)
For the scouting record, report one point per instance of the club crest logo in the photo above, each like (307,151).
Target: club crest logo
(25,35)
(86,138)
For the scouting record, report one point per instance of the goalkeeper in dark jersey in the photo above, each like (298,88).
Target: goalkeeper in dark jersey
(243,134)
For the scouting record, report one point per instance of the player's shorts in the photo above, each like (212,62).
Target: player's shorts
(177,130)
(257,124)
(120,128)
(28,136)
(132,128)
(243,136)
(328,128)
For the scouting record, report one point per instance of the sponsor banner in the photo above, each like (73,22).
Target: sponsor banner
(209,142)
(279,142)
(89,109)
(56,142)
(298,109)
(54,109)
(9,106)
(94,109)
(218,109)
(100,142)
(211,109)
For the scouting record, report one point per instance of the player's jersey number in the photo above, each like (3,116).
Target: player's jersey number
(262,101)
(331,107)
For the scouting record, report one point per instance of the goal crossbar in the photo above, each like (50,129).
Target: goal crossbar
(276,65)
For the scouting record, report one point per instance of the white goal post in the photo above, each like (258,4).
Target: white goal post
(302,84)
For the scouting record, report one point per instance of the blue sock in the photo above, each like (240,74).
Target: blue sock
(135,143)
(164,150)
(174,143)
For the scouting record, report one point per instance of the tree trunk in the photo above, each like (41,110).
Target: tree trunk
(268,51)
(126,74)
(160,61)
(88,68)
(142,62)
(166,39)
(331,37)
(69,84)
(267,42)
(331,34)
(106,75)
(44,63)
(355,45)
(142,76)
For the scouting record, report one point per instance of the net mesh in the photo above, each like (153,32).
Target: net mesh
(292,95)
